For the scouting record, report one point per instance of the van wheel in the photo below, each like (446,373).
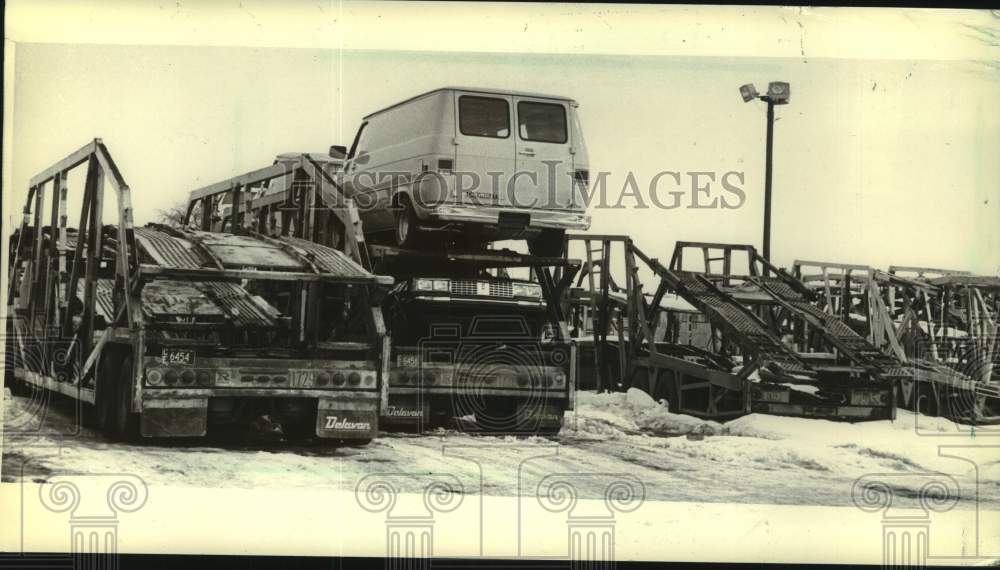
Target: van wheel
(406,224)
(549,243)
(126,423)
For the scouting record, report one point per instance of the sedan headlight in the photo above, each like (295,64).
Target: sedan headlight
(431,285)
(528,290)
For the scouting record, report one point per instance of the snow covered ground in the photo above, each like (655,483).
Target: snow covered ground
(753,459)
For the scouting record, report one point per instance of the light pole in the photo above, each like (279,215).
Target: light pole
(777,94)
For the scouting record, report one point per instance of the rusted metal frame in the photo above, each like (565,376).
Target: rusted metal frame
(551,295)
(235,226)
(95,250)
(127,249)
(75,159)
(51,264)
(593,312)
(60,246)
(129,267)
(945,313)
(252,177)
(637,328)
(85,233)
(830,338)
(26,218)
(929,319)
(601,327)
(207,212)
(877,307)
(334,200)
(661,290)
(923,271)
(37,250)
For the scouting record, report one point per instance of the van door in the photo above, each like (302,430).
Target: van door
(543,154)
(485,144)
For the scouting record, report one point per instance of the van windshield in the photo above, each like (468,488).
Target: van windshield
(541,122)
(483,117)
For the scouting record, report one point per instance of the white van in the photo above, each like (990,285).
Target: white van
(483,164)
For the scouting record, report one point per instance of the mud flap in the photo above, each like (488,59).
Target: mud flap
(347,419)
(174,418)
(538,417)
(407,410)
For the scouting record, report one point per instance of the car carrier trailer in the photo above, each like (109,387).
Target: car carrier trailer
(771,351)
(468,340)
(941,323)
(163,331)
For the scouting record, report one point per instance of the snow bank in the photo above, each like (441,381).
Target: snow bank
(758,441)
(634,412)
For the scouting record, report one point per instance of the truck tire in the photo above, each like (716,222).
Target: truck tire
(549,243)
(104,406)
(406,224)
(126,423)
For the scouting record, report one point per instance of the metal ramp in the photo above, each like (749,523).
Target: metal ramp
(794,297)
(749,331)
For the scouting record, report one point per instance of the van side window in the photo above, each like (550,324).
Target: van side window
(541,122)
(359,141)
(483,117)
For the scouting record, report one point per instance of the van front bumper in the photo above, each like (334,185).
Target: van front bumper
(490,215)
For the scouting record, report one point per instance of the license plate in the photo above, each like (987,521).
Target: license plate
(177,356)
(407,360)
(772,396)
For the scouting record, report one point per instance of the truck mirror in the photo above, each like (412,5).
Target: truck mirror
(338,151)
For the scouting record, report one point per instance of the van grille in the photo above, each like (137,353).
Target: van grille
(467,287)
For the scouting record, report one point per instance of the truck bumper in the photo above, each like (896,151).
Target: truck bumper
(414,407)
(346,414)
(490,216)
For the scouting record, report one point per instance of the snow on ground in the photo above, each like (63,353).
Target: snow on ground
(774,442)
(753,459)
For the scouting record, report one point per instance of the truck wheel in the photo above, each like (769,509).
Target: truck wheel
(549,243)
(406,224)
(126,423)
(105,398)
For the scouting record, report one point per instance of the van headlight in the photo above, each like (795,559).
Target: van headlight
(527,290)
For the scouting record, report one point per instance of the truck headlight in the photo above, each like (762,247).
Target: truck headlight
(423,284)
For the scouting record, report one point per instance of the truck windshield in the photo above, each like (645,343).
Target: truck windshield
(541,122)
(483,117)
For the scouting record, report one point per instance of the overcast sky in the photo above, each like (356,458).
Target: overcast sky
(876,161)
